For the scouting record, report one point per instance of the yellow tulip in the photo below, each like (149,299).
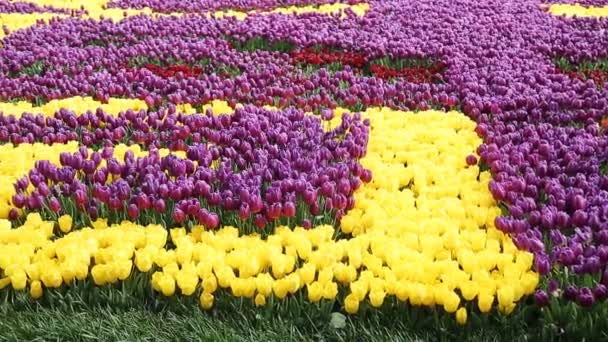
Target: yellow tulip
(461,316)
(315,291)
(33,271)
(123,269)
(206,300)
(143,261)
(351,304)
(307,274)
(51,278)
(67,272)
(402,291)
(167,285)
(330,290)
(225,276)
(171,268)
(36,289)
(4,282)
(65,223)
(260,300)
(81,271)
(376,298)
(505,295)
(451,301)
(468,290)
(280,288)
(18,280)
(359,289)
(485,302)
(187,282)
(210,283)
(263,283)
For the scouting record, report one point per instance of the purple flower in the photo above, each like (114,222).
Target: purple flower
(541,298)
(542,265)
(585,297)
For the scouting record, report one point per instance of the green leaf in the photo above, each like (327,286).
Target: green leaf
(338,320)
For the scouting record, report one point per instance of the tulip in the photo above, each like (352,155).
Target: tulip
(461,316)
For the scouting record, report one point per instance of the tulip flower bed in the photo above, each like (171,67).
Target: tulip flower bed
(437,166)
(596,71)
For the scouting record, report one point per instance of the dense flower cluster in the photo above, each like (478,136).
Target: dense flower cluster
(325,56)
(263,77)
(213,5)
(579,11)
(434,253)
(410,70)
(15,162)
(266,165)
(109,125)
(28,7)
(543,155)
(585,3)
(80,105)
(596,71)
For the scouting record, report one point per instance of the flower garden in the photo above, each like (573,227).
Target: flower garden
(343,169)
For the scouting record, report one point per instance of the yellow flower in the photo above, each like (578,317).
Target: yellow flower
(33,271)
(166,284)
(260,300)
(280,288)
(143,261)
(187,282)
(4,282)
(376,298)
(359,289)
(36,289)
(485,302)
(402,291)
(210,283)
(330,290)
(99,275)
(505,295)
(206,300)
(461,316)
(81,271)
(65,223)
(51,277)
(67,272)
(468,290)
(225,276)
(315,291)
(18,280)
(351,304)
(307,273)
(204,268)
(123,269)
(507,308)
(326,275)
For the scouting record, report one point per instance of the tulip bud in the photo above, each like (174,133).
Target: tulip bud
(260,221)
(133,212)
(541,298)
(289,209)
(542,265)
(159,205)
(471,160)
(585,297)
(54,205)
(179,216)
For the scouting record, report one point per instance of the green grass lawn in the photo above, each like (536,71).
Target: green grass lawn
(47,324)
(132,312)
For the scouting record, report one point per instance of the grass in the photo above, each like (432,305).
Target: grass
(137,324)
(132,312)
